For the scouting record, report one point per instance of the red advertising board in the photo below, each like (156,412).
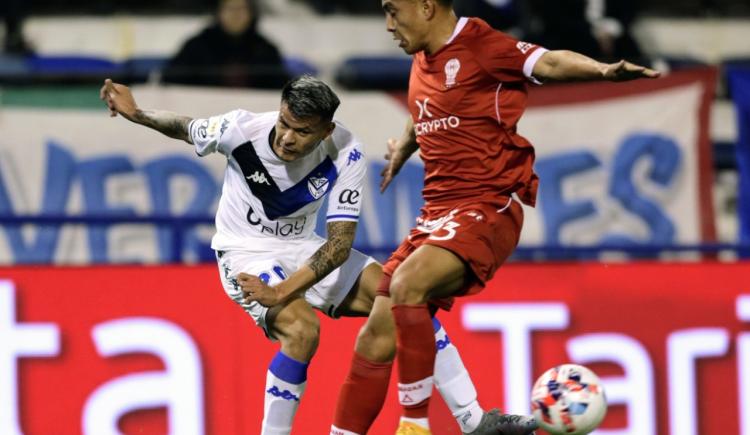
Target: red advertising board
(153,350)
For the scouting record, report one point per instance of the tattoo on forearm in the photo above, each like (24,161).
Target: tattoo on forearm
(335,251)
(170,124)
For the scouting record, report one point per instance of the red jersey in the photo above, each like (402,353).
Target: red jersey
(465,101)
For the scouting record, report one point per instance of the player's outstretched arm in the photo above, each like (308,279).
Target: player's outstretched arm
(332,254)
(564,65)
(398,153)
(120,100)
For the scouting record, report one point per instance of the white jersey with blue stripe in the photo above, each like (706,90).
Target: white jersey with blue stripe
(265,199)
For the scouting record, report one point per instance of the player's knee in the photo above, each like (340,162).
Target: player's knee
(303,334)
(376,344)
(405,290)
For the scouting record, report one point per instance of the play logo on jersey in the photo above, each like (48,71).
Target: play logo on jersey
(317,186)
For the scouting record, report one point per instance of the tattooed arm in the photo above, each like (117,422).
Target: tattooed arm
(120,100)
(325,260)
(168,123)
(335,251)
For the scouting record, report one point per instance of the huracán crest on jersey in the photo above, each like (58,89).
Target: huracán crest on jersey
(451,71)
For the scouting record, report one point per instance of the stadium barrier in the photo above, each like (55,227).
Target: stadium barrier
(622,165)
(157,350)
(181,246)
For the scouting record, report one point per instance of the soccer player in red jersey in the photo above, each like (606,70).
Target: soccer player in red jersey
(467,91)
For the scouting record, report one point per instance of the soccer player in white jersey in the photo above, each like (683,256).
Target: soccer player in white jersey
(280,166)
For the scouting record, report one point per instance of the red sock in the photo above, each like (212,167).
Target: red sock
(362,395)
(416,358)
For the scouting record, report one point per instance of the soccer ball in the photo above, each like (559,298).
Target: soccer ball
(568,400)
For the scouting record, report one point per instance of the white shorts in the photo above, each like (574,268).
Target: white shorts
(273,267)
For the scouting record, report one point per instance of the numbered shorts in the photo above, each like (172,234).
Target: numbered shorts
(483,235)
(273,267)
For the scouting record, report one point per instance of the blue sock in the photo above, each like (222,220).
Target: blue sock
(288,369)
(285,383)
(441,337)
(436,324)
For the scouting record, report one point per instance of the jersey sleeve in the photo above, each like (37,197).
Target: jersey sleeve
(508,59)
(345,199)
(213,134)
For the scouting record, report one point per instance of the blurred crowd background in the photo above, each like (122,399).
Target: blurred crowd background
(278,37)
(55,52)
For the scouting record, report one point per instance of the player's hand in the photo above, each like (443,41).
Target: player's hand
(256,290)
(396,157)
(623,71)
(119,99)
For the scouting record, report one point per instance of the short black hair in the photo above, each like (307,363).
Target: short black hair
(445,2)
(307,97)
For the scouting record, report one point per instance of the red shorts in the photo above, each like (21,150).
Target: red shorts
(483,235)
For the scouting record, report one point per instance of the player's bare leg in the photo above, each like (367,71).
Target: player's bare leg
(434,272)
(360,300)
(372,362)
(297,328)
(426,270)
(363,392)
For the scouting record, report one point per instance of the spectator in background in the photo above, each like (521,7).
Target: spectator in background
(229,52)
(12,12)
(596,28)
